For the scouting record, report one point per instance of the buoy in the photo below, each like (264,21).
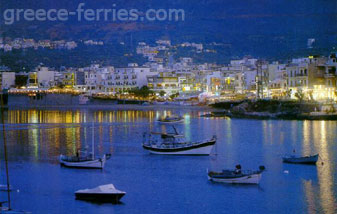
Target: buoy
(286,172)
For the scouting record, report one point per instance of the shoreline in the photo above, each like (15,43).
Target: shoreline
(111,107)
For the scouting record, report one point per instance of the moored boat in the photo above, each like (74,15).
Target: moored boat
(176,144)
(172,119)
(311,159)
(103,193)
(236,176)
(84,162)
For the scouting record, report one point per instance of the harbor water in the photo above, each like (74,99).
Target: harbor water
(167,184)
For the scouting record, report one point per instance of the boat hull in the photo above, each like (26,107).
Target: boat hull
(171,122)
(100,197)
(200,149)
(311,160)
(92,164)
(248,179)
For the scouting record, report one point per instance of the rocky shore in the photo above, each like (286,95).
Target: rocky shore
(276,109)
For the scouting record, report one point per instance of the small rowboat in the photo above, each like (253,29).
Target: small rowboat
(312,159)
(236,176)
(174,119)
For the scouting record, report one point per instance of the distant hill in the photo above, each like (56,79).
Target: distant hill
(262,28)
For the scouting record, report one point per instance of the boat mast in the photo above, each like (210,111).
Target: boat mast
(5,149)
(92,142)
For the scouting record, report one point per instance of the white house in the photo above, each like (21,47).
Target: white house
(45,77)
(7,79)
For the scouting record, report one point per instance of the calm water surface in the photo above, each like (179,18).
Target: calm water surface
(165,184)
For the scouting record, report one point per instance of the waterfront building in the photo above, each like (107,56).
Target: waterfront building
(45,77)
(80,76)
(313,76)
(7,80)
(21,79)
(68,79)
(164,81)
(32,80)
(133,76)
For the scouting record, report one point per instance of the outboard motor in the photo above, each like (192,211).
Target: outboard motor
(237,169)
(262,168)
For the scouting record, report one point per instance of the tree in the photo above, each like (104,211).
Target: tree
(288,93)
(61,85)
(142,92)
(299,95)
(162,93)
(311,96)
(21,80)
(172,96)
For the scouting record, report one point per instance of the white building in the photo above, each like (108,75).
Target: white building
(132,76)
(7,80)
(45,77)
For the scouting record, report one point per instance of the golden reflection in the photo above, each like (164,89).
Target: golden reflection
(310,196)
(71,117)
(188,131)
(306,138)
(229,131)
(325,177)
(293,133)
(265,131)
(33,133)
(100,139)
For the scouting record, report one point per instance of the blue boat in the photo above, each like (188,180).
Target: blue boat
(312,159)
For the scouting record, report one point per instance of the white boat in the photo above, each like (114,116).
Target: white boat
(236,176)
(85,161)
(83,99)
(103,193)
(176,144)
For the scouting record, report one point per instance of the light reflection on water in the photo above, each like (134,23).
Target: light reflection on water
(39,136)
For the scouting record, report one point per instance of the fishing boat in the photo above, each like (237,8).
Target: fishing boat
(84,162)
(103,193)
(88,160)
(311,159)
(176,144)
(236,176)
(172,119)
